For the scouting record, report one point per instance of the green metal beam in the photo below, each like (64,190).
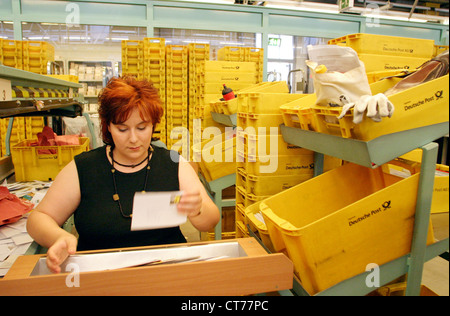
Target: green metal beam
(210,16)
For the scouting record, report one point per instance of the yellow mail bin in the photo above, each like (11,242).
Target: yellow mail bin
(335,224)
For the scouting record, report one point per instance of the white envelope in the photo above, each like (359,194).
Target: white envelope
(153,210)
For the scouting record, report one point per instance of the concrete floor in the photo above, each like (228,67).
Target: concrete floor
(435,276)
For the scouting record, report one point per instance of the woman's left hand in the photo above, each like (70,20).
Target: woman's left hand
(190,203)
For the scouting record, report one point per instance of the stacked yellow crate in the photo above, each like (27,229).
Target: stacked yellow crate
(216,159)
(177,98)
(133,59)
(36,55)
(31,56)
(251,54)
(11,53)
(33,126)
(23,128)
(197,53)
(381,52)
(146,59)
(71,78)
(154,54)
(211,77)
(439,49)
(266,164)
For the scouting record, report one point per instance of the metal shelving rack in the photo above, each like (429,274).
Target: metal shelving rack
(373,154)
(70,105)
(48,103)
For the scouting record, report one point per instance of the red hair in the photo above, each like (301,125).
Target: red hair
(121,96)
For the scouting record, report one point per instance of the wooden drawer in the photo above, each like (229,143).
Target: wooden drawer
(247,269)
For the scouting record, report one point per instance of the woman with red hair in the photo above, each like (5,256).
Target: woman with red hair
(98,186)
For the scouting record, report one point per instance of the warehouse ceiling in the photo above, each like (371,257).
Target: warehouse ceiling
(428,7)
(432,7)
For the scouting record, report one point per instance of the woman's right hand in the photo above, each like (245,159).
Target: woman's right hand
(59,251)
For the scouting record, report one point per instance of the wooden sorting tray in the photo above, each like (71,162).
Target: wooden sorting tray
(248,269)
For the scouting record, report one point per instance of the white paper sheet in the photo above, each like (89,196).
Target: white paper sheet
(123,259)
(153,210)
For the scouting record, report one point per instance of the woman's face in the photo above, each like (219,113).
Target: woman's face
(132,138)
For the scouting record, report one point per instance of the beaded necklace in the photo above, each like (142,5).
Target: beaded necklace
(113,171)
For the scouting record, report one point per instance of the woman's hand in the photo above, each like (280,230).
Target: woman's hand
(59,251)
(190,203)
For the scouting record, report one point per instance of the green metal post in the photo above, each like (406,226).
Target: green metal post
(422,219)
(91,129)
(318,164)
(216,187)
(8,136)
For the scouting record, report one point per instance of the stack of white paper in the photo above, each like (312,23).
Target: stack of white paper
(14,242)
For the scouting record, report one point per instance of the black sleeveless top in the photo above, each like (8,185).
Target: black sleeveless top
(98,220)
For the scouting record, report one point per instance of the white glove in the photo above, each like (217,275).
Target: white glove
(377,106)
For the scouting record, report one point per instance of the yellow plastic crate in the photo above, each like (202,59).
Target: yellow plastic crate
(299,113)
(254,54)
(399,289)
(267,184)
(438,49)
(237,53)
(18,132)
(11,53)
(276,165)
(132,67)
(154,59)
(177,87)
(335,224)
(411,162)
(226,107)
(228,66)
(252,121)
(217,87)
(240,208)
(153,50)
(199,51)
(266,87)
(30,165)
(41,69)
(264,103)
(216,157)
(241,231)
(231,106)
(231,53)
(203,110)
(386,45)
(227,77)
(257,226)
(374,62)
(271,87)
(246,199)
(132,50)
(375,76)
(440,199)
(253,144)
(414,107)
(206,99)
(33,126)
(225,235)
(176,53)
(205,122)
(70,78)
(179,99)
(38,49)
